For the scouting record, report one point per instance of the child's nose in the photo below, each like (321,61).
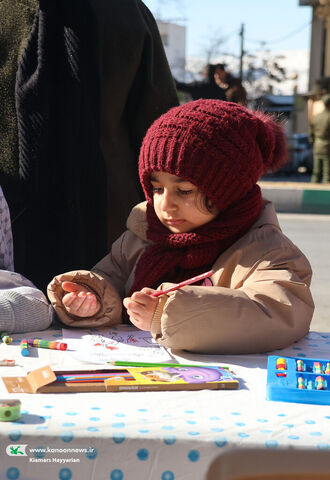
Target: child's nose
(168,202)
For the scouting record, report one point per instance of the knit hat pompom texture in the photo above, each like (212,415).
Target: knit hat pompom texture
(221,147)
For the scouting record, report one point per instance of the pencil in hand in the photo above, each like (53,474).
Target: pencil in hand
(184,283)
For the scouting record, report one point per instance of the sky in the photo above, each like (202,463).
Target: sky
(282,24)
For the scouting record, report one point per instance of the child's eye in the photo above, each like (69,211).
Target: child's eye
(185,192)
(156,189)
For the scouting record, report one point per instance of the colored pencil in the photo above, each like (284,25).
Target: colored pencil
(121,363)
(184,283)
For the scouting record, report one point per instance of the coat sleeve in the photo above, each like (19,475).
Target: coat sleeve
(110,310)
(23,307)
(270,308)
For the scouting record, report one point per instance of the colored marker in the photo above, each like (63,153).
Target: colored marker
(319,383)
(24,348)
(301,383)
(184,283)
(280,364)
(327,368)
(300,365)
(5,338)
(121,363)
(40,343)
(317,367)
(5,362)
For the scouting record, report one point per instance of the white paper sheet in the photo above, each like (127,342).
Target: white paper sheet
(124,342)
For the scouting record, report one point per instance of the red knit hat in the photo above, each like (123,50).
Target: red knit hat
(221,147)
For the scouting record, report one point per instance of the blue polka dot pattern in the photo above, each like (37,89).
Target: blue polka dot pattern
(91,453)
(116,475)
(220,442)
(118,437)
(41,453)
(217,429)
(68,424)
(167,475)
(142,454)
(193,434)
(143,431)
(118,425)
(167,427)
(67,436)
(193,455)
(92,429)
(169,439)
(65,474)
(243,435)
(323,446)
(12,473)
(15,435)
(271,444)
(95,419)
(120,415)
(71,413)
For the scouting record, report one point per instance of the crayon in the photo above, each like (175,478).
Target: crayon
(5,338)
(5,362)
(184,283)
(121,363)
(327,368)
(40,343)
(24,348)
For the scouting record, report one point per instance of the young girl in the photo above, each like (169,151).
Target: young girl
(199,166)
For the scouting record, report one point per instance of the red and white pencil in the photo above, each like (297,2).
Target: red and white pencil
(184,283)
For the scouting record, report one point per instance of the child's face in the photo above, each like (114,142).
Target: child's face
(175,203)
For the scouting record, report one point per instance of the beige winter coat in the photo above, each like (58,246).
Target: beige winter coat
(260,299)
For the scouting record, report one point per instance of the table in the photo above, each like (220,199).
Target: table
(211,435)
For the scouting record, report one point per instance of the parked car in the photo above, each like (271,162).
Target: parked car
(300,154)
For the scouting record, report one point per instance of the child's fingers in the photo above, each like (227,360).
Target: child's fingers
(88,307)
(73,287)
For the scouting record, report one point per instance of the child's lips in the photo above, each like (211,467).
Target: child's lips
(173,221)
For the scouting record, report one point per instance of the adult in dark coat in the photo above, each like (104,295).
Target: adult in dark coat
(92,77)
(234,90)
(207,88)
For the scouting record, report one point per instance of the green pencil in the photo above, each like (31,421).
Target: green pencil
(120,363)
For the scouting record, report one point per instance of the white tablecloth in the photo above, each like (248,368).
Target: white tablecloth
(165,435)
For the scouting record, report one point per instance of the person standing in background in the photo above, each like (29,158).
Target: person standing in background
(234,90)
(320,138)
(207,88)
(92,76)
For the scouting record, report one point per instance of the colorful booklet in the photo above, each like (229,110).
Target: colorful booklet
(130,379)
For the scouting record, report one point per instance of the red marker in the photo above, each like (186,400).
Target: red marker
(184,283)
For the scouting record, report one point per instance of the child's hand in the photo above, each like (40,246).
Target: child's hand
(79,301)
(141,307)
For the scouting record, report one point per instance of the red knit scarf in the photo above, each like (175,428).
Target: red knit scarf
(174,257)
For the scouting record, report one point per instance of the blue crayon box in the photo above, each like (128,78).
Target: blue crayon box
(298,380)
